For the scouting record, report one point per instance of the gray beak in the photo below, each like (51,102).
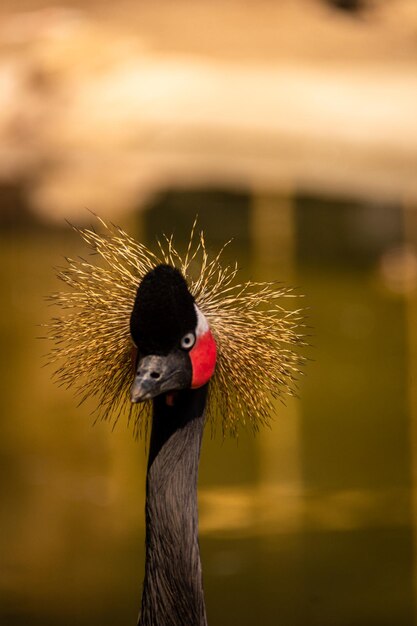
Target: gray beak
(157,374)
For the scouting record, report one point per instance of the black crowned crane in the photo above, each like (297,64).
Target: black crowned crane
(175,340)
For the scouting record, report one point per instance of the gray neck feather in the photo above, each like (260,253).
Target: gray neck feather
(173,590)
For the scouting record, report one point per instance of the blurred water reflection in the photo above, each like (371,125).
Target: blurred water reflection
(308,524)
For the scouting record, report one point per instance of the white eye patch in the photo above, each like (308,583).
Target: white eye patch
(202,323)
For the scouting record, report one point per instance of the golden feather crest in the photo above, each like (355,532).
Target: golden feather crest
(256,336)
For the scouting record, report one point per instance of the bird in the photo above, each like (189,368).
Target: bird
(176,359)
(173,340)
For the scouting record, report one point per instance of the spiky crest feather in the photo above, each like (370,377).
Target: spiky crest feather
(255,335)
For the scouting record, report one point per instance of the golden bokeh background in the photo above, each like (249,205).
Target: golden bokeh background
(290,127)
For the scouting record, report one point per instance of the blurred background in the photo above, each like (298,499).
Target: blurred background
(290,126)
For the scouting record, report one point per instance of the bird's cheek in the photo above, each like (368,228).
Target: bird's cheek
(203,360)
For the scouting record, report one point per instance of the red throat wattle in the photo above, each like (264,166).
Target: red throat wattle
(203,359)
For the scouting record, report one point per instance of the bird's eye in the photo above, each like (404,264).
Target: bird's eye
(188,341)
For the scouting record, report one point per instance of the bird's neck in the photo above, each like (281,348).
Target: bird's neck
(173,590)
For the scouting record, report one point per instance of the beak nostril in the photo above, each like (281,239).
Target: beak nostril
(155,374)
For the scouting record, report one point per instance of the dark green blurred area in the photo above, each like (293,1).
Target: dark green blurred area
(309,524)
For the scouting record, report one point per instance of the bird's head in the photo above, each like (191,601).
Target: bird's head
(173,345)
(190,320)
